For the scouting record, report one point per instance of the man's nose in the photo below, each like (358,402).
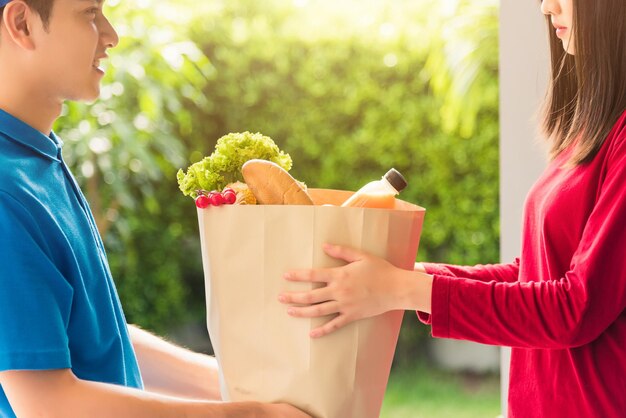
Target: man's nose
(108,34)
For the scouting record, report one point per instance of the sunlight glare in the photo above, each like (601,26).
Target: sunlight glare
(390,60)
(388,30)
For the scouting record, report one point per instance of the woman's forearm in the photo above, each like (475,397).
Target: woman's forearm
(419,267)
(413,290)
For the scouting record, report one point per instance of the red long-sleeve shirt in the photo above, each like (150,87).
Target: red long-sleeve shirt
(562,304)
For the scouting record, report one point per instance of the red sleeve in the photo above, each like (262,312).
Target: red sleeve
(570,311)
(484,273)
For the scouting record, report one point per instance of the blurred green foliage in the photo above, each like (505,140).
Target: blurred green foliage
(348,89)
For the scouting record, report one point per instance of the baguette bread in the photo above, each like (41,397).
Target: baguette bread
(272,185)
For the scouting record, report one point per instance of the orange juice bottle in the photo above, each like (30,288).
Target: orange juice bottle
(379,194)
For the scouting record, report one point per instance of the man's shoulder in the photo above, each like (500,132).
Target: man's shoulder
(19,196)
(20,169)
(13,155)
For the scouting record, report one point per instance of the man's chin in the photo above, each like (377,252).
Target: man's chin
(92,99)
(87,96)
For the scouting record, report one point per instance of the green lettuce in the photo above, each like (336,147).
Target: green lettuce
(224,165)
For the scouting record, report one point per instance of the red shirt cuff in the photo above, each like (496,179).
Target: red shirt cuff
(439,317)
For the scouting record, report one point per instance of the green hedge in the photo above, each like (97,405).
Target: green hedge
(418,93)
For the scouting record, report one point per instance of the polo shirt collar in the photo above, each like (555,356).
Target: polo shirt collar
(21,132)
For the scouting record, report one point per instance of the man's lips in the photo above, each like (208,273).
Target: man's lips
(98,68)
(96,63)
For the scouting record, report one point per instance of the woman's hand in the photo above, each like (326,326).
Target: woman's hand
(365,287)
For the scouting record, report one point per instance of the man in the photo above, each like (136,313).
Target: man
(65,348)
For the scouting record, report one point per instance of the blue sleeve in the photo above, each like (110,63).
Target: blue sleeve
(35,298)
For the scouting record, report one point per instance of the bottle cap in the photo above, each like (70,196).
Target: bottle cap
(396,179)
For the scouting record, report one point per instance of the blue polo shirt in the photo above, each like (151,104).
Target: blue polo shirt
(58,304)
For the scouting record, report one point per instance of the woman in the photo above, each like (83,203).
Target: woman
(561,305)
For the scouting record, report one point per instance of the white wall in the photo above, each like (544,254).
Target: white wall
(524,69)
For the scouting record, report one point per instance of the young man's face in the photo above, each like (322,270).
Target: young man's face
(71,49)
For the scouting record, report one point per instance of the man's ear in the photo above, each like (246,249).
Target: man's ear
(17,19)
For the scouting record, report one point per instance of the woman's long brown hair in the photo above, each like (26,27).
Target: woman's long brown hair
(587,92)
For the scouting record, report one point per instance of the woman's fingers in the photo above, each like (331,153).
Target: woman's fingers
(314,311)
(326,275)
(322,301)
(343,253)
(331,326)
(315,276)
(306,298)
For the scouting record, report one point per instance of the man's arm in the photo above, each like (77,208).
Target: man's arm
(171,370)
(60,394)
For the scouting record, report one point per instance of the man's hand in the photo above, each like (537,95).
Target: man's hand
(261,410)
(283,411)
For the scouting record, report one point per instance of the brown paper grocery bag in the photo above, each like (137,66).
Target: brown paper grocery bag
(266,355)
